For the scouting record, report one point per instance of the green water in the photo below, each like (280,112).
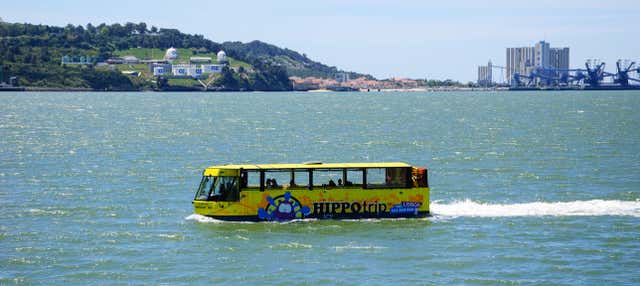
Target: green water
(528,188)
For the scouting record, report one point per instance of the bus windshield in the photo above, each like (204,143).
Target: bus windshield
(224,189)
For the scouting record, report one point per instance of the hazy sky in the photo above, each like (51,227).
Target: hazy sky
(418,39)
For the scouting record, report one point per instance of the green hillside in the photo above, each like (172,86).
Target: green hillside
(295,63)
(33,53)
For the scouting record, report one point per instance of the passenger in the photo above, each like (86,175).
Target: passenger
(332,183)
(274,184)
(340,182)
(292,184)
(244,180)
(222,190)
(268,184)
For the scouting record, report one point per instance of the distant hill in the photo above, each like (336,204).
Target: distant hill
(295,63)
(33,53)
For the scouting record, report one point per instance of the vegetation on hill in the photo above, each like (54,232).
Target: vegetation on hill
(34,53)
(258,53)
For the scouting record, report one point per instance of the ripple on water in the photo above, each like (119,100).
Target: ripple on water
(527,188)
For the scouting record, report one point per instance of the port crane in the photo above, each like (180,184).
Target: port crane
(622,76)
(550,76)
(592,76)
(595,72)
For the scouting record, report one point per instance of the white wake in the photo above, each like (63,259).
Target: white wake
(470,208)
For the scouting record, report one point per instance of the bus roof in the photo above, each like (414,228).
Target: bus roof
(312,165)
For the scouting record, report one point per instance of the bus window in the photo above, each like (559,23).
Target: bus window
(352,178)
(221,189)
(275,179)
(398,177)
(298,179)
(252,179)
(205,188)
(225,189)
(325,177)
(376,178)
(388,177)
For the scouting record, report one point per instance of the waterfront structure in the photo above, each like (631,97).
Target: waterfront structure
(188,70)
(211,68)
(519,60)
(485,74)
(183,70)
(197,72)
(524,60)
(559,58)
(542,52)
(159,69)
(342,77)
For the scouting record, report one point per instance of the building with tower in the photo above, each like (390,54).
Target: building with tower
(485,74)
(524,60)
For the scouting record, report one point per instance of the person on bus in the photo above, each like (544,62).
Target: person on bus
(244,180)
(332,183)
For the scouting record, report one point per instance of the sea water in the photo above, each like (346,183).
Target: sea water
(528,188)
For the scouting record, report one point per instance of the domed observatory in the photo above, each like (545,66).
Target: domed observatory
(171,54)
(222,57)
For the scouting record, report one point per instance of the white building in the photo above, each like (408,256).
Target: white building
(157,71)
(520,60)
(485,74)
(211,68)
(342,77)
(159,68)
(525,59)
(559,58)
(187,70)
(183,70)
(200,60)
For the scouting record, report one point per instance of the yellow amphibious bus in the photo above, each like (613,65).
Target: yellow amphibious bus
(279,192)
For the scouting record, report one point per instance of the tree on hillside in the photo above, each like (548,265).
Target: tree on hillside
(34,53)
(141,28)
(226,79)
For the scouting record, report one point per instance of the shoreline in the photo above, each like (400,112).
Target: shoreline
(429,89)
(434,89)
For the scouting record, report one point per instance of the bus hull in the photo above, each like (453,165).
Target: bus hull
(342,217)
(334,203)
